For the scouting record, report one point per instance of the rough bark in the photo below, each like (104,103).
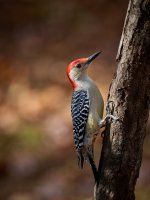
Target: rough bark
(128,98)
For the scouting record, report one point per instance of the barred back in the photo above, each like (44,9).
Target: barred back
(80,111)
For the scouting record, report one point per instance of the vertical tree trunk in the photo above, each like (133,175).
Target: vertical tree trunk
(128,98)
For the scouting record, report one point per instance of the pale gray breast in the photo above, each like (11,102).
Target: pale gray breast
(96,107)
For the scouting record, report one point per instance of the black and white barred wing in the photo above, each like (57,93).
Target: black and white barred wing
(80,111)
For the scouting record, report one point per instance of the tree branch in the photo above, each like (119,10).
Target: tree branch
(130,93)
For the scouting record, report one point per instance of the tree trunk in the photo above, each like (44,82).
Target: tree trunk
(128,98)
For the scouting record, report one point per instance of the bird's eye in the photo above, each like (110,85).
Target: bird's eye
(78,66)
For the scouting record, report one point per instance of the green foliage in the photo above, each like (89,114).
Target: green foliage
(27,138)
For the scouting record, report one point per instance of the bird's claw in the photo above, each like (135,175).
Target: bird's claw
(112,118)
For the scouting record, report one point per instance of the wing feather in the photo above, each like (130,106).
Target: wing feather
(80,111)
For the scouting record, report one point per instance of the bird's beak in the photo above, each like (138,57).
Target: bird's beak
(92,57)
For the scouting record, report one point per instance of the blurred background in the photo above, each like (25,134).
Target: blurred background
(38,39)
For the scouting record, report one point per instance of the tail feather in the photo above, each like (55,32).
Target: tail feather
(91,162)
(93,167)
(80,159)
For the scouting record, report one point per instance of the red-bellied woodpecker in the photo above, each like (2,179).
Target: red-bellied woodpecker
(87,110)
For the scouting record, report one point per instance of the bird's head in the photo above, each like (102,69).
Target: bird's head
(78,68)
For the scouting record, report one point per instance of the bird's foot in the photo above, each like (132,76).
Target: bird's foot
(109,111)
(111,118)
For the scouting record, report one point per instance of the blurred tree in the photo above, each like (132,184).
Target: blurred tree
(129,93)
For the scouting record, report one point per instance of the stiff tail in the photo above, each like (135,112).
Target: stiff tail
(91,161)
(80,159)
(93,167)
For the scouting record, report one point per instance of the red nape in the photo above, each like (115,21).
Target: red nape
(71,66)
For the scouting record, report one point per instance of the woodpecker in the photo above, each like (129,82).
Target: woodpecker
(87,110)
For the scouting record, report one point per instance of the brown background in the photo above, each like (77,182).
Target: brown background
(38,39)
